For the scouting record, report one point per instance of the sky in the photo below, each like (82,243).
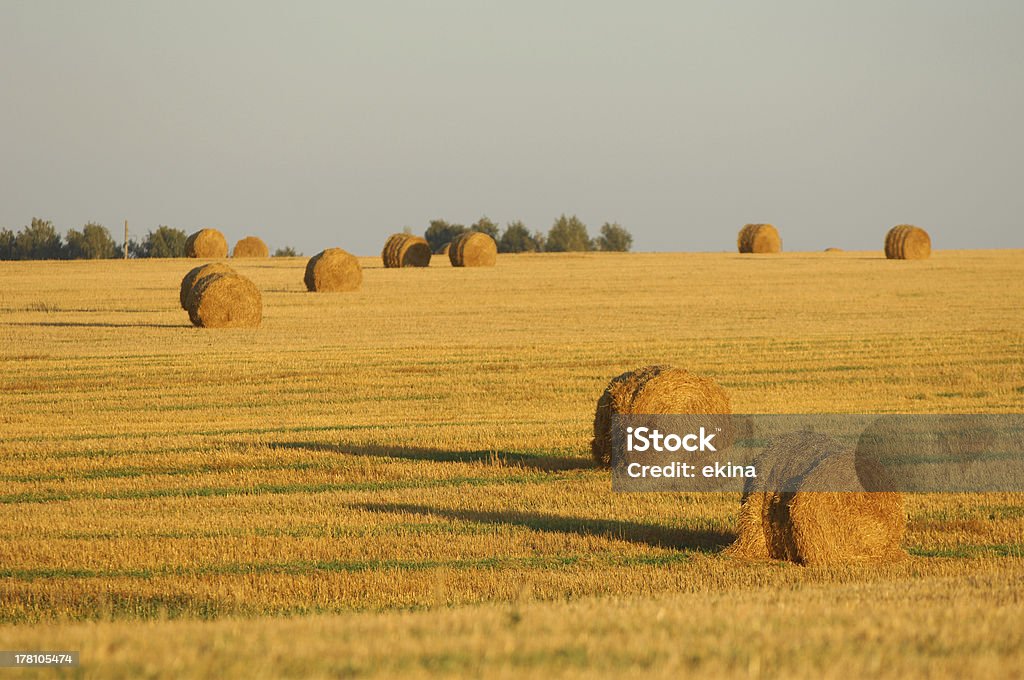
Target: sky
(323,124)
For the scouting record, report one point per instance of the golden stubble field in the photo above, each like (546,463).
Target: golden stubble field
(398,480)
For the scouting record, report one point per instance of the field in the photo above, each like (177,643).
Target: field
(398,480)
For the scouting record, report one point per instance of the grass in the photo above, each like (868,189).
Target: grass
(383,465)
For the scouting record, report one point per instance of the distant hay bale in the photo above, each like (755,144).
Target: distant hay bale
(197,273)
(225,301)
(907,242)
(333,270)
(207,244)
(443,250)
(759,238)
(405,250)
(251,246)
(833,250)
(473,249)
(819,504)
(655,390)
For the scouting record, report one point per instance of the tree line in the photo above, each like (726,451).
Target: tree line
(40,241)
(567,234)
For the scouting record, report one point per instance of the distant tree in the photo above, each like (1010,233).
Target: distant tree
(287,251)
(440,232)
(614,238)
(486,226)
(163,242)
(92,243)
(38,241)
(568,234)
(517,239)
(7,241)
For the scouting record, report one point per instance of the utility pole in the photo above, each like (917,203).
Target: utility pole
(126,239)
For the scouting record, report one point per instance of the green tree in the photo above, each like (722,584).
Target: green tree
(517,239)
(614,238)
(486,226)
(287,251)
(440,232)
(92,243)
(568,234)
(163,242)
(38,241)
(6,244)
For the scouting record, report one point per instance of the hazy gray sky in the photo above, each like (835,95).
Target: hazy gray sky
(322,124)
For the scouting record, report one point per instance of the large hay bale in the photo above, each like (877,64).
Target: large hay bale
(815,527)
(207,244)
(473,249)
(785,457)
(818,503)
(189,280)
(405,250)
(759,238)
(655,390)
(333,270)
(907,242)
(251,246)
(225,301)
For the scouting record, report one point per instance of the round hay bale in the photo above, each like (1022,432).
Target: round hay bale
(759,238)
(207,244)
(225,301)
(333,270)
(907,242)
(251,246)
(405,250)
(197,273)
(473,249)
(834,527)
(656,390)
(785,458)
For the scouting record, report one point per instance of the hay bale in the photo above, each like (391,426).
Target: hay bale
(833,250)
(405,250)
(225,301)
(333,270)
(759,238)
(793,510)
(907,242)
(251,246)
(207,244)
(785,457)
(189,281)
(815,527)
(655,390)
(473,249)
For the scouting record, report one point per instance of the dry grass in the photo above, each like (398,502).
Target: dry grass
(378,455)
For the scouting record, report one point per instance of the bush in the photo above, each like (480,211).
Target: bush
(164,242)
(92,243)
(614,238)
(6,244)
(440,232)
(38,241)
(287,251)
(485,226)
(568,234)
(517,239)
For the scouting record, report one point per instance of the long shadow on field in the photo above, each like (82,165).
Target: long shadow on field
(658,536)
(89,324)
(525,461)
